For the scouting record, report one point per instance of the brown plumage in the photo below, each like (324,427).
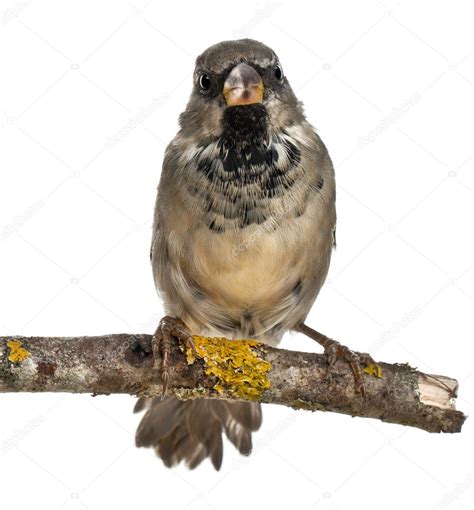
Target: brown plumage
(243,231)
(192,430)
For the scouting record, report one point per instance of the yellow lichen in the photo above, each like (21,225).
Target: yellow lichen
(17,352)
(374,370)
(235,364)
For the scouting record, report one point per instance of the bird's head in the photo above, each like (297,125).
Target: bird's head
(239,82)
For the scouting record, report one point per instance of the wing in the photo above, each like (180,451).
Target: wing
(167,214)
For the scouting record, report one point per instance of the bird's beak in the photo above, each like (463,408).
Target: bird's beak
(243,86)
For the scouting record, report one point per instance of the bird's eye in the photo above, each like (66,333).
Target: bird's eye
(204,82)
(278,72)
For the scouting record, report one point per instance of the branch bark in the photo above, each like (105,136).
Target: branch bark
(123,363)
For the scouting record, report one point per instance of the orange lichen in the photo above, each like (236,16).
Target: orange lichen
(374,370)
(235,364)
(17,352)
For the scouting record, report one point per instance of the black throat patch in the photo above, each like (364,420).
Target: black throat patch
(248,155)
(243,147)
(249,168)
(245,125)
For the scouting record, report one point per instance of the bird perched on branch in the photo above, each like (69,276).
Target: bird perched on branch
(243,231)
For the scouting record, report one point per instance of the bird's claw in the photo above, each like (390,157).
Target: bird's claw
(161,344)
(357,361)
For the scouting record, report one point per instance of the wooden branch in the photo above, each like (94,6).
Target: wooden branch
(243,370)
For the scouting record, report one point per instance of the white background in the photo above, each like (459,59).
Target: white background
(90,93)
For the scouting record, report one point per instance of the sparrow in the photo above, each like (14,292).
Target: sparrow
(243,231)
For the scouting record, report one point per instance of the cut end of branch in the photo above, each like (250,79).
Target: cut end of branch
(437,390)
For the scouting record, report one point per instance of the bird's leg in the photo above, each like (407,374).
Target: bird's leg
(161,344)
(334,351)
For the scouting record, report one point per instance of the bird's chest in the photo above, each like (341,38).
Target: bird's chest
(250,266)
(248,204)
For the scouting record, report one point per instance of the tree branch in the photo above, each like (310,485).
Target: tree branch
(243,370)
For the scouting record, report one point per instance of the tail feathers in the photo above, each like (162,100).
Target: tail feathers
(192,430)
(239,420)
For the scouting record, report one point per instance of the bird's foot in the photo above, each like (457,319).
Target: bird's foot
(335,351)
(161,345)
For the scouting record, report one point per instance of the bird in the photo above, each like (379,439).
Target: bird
(243,232)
